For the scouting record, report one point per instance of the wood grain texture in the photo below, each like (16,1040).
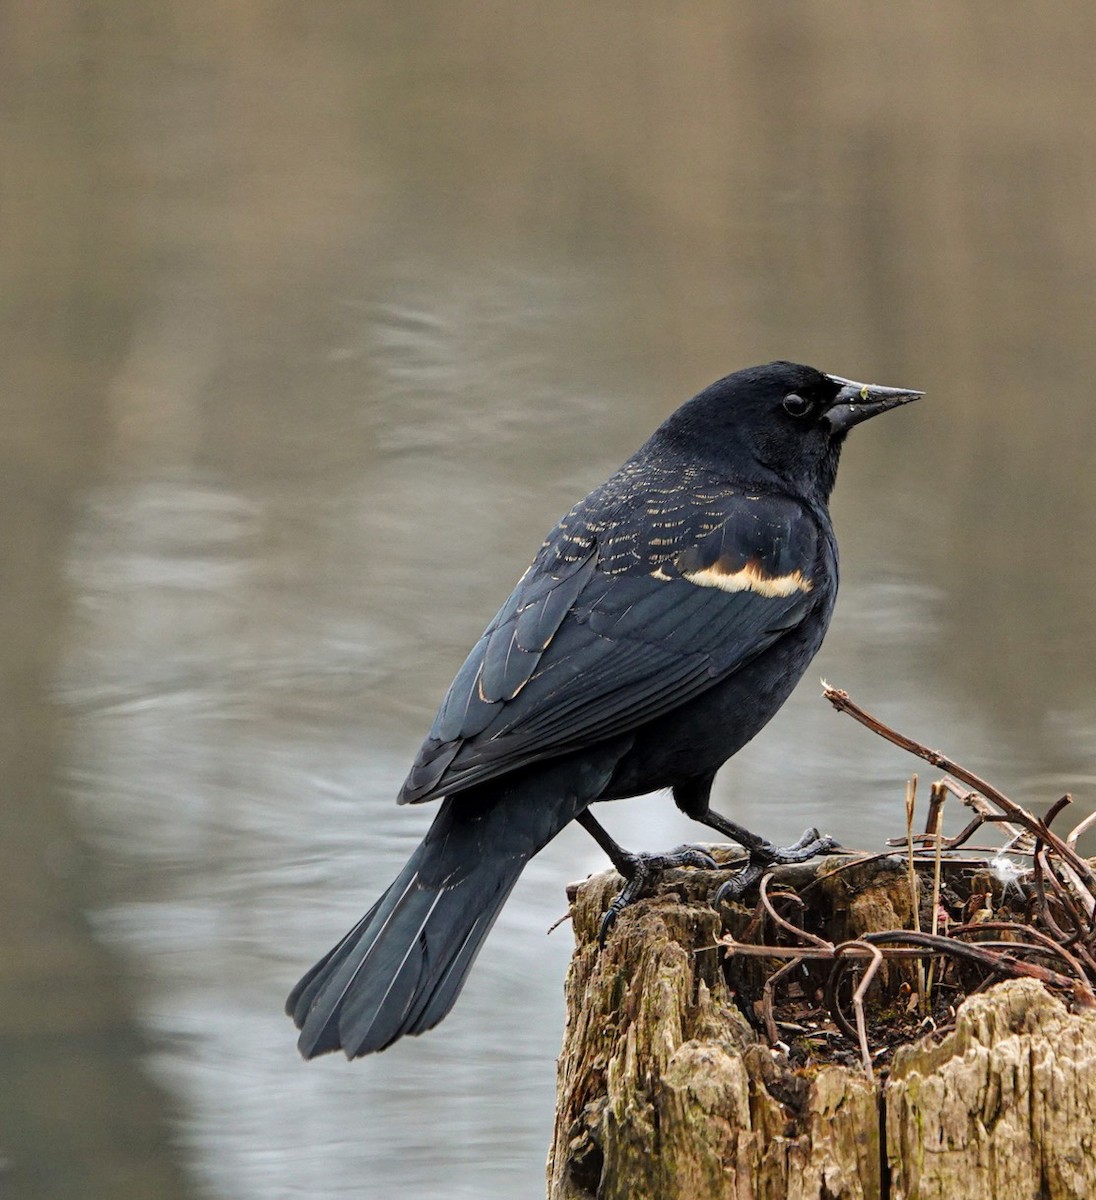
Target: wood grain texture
(666,1092)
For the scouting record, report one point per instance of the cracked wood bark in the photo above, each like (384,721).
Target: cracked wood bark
(666,1092)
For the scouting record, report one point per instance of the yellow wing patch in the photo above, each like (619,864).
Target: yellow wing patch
(751,578)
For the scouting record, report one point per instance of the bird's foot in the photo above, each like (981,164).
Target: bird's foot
(765,855)
(641,872)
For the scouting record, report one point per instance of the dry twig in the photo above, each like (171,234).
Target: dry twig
(1051,939)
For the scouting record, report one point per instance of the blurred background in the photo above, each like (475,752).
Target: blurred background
(315,318)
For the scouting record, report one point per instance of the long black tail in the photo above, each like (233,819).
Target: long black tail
(401,968)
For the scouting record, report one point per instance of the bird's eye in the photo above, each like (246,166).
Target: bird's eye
(796,406)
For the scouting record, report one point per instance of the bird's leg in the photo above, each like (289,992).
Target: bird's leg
(640,871)
(693,798)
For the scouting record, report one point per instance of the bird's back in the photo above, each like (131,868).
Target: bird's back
(657,585)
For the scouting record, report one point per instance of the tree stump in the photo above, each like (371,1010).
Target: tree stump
(666,1090)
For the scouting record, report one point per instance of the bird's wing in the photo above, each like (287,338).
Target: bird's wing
(588,647)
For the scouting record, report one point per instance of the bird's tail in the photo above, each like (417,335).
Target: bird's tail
(401,968)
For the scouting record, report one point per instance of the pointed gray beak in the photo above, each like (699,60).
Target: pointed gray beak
(856,402)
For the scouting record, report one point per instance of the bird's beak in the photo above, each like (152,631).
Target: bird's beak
(855,402)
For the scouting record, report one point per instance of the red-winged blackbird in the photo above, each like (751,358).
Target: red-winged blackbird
(664,621)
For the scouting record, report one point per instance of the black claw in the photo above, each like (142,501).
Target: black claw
(619,904)
(738,885)
(766,855)
(686,856)
(641,872)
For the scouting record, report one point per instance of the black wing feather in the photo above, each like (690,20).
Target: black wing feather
(586,648)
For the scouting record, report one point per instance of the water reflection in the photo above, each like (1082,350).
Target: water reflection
(353,306)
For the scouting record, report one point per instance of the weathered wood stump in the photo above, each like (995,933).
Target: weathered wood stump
(666,1090)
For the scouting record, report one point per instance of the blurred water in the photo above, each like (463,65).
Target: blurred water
(318,320)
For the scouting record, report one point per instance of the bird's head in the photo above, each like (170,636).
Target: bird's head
(780,420)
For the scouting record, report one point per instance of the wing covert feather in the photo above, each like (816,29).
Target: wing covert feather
(585,649)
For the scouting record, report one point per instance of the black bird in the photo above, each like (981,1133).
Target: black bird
(663,622)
